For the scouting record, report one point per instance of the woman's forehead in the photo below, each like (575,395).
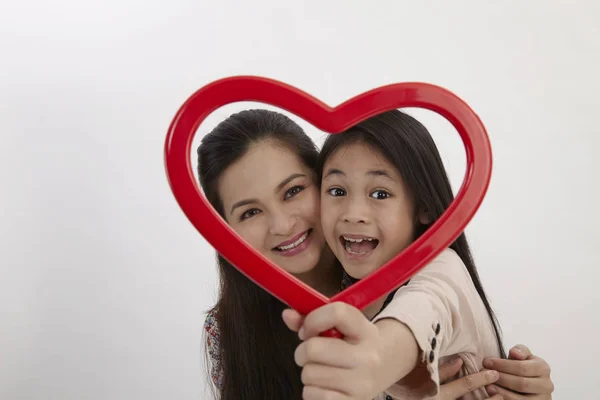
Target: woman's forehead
(260,170)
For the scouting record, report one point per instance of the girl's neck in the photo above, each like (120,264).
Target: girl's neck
(325,277)
(371,310)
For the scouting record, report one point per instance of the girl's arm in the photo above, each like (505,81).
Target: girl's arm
(367,361)
(439,313)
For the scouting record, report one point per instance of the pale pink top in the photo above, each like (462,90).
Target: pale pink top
(442,308)
(441,294)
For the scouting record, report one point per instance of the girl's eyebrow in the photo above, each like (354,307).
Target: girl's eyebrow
(334,171)
(380,172)
(373,172)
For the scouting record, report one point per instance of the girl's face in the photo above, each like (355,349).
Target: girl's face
(367,213)
(270,199)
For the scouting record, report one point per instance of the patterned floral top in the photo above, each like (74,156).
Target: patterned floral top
(212,339)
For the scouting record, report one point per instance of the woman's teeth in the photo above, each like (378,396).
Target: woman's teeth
(295,244)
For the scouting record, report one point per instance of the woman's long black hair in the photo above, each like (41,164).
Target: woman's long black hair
(256,348)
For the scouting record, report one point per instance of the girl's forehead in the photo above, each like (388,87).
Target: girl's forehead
(357,154)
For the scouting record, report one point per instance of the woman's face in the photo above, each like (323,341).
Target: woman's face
(270,199)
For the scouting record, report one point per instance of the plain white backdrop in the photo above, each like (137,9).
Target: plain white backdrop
(103,281)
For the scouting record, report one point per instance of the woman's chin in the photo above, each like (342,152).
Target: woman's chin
(300,265)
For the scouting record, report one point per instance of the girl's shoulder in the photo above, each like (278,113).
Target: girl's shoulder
(447,258)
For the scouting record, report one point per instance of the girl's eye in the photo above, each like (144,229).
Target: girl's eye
(293,191)
(249,213)
(380,194)
(336,192)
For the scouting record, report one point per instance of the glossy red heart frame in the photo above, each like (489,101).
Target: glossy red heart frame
(332,120)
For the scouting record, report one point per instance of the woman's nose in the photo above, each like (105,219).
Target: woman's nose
(282,223)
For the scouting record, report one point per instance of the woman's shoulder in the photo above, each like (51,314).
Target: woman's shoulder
(211,328)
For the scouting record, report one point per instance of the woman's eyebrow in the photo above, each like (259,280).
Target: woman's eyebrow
(288,180)
(242,203)
(277,189)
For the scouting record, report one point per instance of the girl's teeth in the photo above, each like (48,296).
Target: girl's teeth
(357,240)
(295,244)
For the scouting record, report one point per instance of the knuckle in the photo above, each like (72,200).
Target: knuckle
(308,374)
(311,349)
(310,393)
(469,383)
(373,360)
(546,370)
(339,311)
(298,354)
(522,384)
(523,369)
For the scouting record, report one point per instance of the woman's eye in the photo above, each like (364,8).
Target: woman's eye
(336,192)
(380,194)
(249,213)
(293,191)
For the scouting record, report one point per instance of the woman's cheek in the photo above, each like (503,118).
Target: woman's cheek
(253,233)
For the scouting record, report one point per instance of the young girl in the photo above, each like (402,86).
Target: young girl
(383,184)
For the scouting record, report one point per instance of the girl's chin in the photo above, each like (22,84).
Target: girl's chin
(356,273)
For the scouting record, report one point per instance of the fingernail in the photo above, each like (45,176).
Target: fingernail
(301,333)
(493,374)
(455,360)
(518,351)
(492,389)
(488,363)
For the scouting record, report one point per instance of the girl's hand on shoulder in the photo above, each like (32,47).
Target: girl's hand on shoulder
(334,368)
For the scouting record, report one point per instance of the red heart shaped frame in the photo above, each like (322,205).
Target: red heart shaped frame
(268,275)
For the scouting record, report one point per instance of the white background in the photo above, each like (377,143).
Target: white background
(103,281)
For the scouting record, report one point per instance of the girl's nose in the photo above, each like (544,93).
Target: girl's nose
(357,212)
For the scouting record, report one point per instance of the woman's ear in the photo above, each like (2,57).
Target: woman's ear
(424,217)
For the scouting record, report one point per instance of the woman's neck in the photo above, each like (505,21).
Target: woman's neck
(325,277)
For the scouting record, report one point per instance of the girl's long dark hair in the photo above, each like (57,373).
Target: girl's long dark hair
(407,144)
(256,348)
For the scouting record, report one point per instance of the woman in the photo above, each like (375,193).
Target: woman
(257,169)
